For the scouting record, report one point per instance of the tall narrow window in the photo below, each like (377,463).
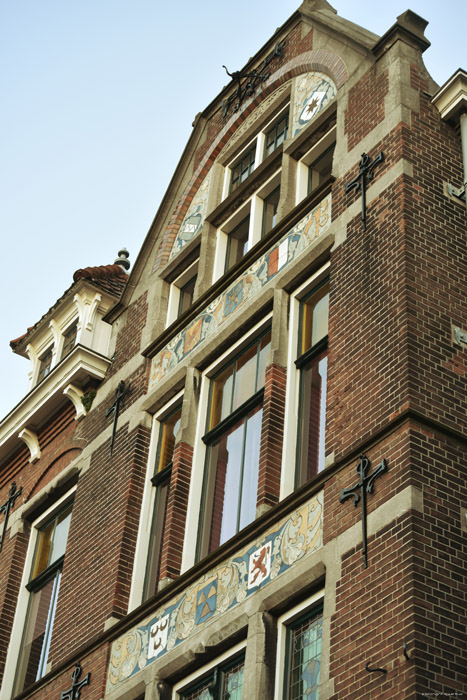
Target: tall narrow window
(237,245)
(225,682)
(44,585)
(312,363)
(161,480)
(69,340)
(186,295)
(276,134)
(233,439)
(243,167)
(271,203)
(45,364)
(303,657)
(320,169)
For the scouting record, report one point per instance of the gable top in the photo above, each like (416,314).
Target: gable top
(110,279)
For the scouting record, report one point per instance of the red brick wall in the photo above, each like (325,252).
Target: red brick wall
(129,337)
(365,108)
(101,543)
(272,435)
(413,589)
(171,555)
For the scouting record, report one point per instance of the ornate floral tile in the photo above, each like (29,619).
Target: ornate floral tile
(222,589)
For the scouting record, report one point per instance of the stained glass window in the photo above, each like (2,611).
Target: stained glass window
(303,657)
(225,682)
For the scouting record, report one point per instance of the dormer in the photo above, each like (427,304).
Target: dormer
(68,350)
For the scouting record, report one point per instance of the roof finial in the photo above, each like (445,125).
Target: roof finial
(122,259)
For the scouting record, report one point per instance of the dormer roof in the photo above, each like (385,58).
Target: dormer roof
(110,279)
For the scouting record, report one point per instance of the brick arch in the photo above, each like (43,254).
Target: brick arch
(55,467)
(319,60)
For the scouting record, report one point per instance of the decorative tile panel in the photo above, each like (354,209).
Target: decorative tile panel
(194,219)
(313,91)
(224,588)
(245,287)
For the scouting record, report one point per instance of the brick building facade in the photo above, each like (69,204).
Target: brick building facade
(183,514)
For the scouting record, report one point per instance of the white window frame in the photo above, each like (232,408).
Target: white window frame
(22,605)
(289,448)
(260,139)
(192,678)
(283,623)
(174,292)
(199,452)
(253,207)
(143,539)
(303,166)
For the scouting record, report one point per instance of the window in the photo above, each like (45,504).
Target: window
(271,203)
(320,169)
(312,364)
(45,365)
(237,244)
(233,443)
(186,295)
(243,167)
(182,292)
(69,340)
(161,480)
(303,656)
(43,586)
(316,165)
(225,682)
(271,136)
(276,134)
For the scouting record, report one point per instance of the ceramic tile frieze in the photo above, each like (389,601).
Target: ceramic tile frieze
(247,284)
(194,219)
(313,91)
(220,590)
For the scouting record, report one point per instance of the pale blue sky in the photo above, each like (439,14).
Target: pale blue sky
(98,98)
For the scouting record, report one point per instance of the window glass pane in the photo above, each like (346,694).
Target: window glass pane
(315,313)
(233,469)
(157,538)
(221,397)
(243,168)
(168,432)
(51,541)
(245,377)
(226,457)
(264,348)
(242,377)
(203,693)
(304,659)
(312,420)
(237,245)
(321,169)
(69,340)
(44,366)
(37,634)
(233,683)
(61,535)
(271,203)
(249,487)
(276,135)
(186,296)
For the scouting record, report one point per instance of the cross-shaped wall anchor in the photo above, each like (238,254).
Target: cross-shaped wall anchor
(120,393)
(74,693)
(7,506)
(365,173)
(364,486)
